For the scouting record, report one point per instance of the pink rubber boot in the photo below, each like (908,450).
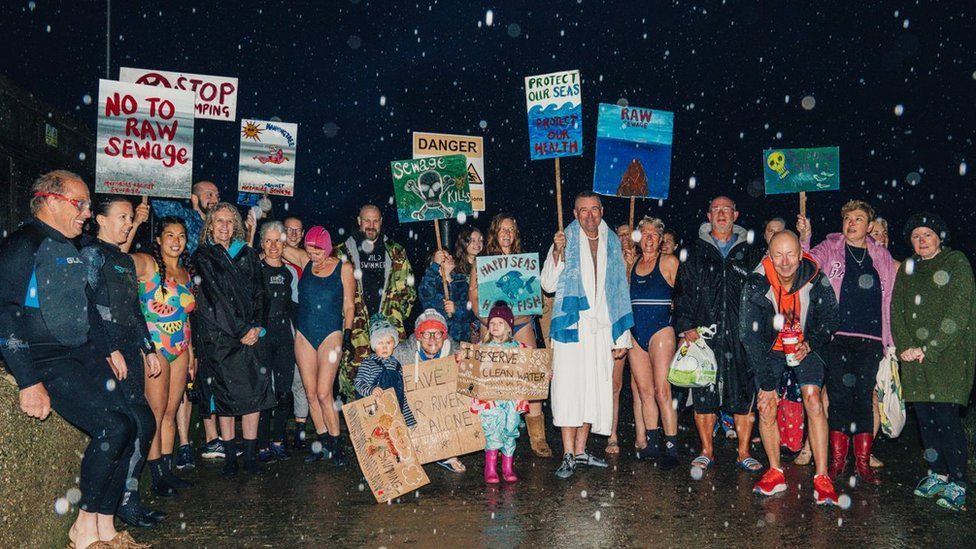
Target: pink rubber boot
(491,467)
(508,473)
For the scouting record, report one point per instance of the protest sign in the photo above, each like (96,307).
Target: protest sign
(801,170)
(504,373)
(445,425)
(633,152)
(513,279)
(431,188)
(426,145)
(554,104)
(267,161)
(215,96)
(381,439)
(145,140)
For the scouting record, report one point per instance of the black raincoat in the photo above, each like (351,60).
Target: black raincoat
(229,302)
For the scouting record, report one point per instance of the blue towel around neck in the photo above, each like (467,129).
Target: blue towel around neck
(571,297)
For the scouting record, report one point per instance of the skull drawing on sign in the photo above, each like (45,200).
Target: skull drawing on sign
(777,162)
(430,187)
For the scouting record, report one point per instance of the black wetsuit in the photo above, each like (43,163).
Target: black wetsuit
(50,333)
(278,350)
(112,275)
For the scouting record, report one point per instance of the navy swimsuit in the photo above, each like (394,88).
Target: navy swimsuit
(319,304)
(650,297)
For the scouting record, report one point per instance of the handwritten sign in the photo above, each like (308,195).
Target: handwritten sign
(633,152)
(426,145)
(555,107)
(382,442)
(445,425)
(513,279)
(267,161)
(145,140)
(215,97)
(504,373)
(801,170)
(431,188)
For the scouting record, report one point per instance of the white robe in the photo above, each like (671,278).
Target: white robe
(582,377)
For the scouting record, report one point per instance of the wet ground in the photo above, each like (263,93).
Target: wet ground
(630,504)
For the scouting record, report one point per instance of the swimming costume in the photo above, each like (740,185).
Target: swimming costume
(650,297)
(167,313)
(319,304)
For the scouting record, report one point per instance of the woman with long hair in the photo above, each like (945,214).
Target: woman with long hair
(167,296)
(504,239)
(456,268)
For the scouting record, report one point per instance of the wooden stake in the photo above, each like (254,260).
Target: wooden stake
(559,195)
(803,204)
(437,235)
(633,200)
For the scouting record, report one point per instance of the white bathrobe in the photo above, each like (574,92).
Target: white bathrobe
(582,377)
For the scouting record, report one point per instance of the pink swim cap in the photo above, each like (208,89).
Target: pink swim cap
(319,237)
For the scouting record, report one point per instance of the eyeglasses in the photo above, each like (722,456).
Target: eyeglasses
(721,209)
(427,336)
(293,231)
(80,205)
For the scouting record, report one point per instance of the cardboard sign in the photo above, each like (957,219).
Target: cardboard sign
(633,152)
(513,279)
(426,145)
(801,170)
(145,140)
(431,188)
(382,442)
(267,162)
(445,425)
(215,96)
(555,107)
(504,373)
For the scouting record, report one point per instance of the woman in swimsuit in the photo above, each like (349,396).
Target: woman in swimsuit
(504,239)
(166,293)
(651,284)
(326,297)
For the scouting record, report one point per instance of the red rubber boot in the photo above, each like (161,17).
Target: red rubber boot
(839,444)
(862,458)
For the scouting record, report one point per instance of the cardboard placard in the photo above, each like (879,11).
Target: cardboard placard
(445,425)
(381,439)
(267,161)
(555,106)
(431,188)
(504,373)
(633,152)
(512,278)
(426,145)
(801,170)
(215,97)
(145,140)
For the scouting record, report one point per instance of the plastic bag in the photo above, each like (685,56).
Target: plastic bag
(891,405)
(694,364)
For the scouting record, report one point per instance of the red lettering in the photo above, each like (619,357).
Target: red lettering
(115,105)
(167,109)
(131,126)
(226,88)
(112,149)
(168,130)
(208,89)
(645,116)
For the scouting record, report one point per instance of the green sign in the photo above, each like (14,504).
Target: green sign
(801,170)
(431,188)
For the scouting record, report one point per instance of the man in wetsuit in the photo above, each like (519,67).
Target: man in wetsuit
(384,284)
(53,341)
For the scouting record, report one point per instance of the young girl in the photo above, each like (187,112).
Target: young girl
(380,370)
(500,418)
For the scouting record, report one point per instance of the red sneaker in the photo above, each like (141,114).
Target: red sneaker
(772,482)
(823,490)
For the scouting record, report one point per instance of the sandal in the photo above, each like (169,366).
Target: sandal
(702,462)
(453,465)
(804,457)
(876,463)
(750,465)
(612,448)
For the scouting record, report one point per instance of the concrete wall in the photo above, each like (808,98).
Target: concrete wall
(39,463)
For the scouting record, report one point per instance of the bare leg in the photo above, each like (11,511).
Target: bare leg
(526,336)
(743,429)
(227,427)
(769,433)
(177,386)
(581,434)
(817,421)
(106,527)
(569,439)
(640,370)
(210,427)
(307,360)
(618,384)
(661,352)
(328,355)
(641,436)
(157,394)
(84,531)
(183,414)
(705,423)
(249,425)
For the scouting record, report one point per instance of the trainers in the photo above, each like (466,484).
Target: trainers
(930,486)
(213,449)
(265,455)
(588,460)
(823,490)
(567,468)
(184,458)
(771,483)
(280,452)
(953,497)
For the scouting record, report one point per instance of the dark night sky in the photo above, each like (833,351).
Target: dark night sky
(734,74)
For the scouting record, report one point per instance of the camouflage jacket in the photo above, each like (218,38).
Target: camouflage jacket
(399,294)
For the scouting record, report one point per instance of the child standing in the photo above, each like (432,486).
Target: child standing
(500,418)
(380,370)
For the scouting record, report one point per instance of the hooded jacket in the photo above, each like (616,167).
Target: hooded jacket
(819,315)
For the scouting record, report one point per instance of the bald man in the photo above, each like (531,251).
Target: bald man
(787,314)
(205,195)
